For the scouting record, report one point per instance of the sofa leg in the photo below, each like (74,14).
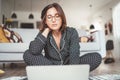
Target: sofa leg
(13,65)
(3,65)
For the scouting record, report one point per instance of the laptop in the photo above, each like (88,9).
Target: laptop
(58,72)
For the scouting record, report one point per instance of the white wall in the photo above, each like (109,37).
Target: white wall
(76,16)
(104,14)
(0,14)
(116,24)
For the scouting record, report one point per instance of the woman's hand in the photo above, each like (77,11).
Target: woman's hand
(45,32)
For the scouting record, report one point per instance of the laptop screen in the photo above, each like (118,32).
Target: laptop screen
(55,72)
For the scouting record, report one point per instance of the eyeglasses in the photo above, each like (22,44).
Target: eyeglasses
(50,17)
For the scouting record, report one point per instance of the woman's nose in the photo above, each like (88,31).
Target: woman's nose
(53,19)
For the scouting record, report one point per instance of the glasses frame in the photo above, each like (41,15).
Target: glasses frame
(56,17)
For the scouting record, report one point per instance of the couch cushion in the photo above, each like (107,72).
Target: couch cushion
(27,36)
(92,46)
(8,57)
(13,47)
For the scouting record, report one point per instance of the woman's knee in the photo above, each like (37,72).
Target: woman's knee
(93,55)
(93,59)
(26,57)
(31,59)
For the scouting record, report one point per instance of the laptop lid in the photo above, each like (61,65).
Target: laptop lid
(58,72)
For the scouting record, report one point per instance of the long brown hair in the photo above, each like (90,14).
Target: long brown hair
(60,12)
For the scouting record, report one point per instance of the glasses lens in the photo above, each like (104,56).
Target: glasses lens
(50,17)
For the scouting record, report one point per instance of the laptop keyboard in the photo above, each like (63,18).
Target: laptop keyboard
(106,77)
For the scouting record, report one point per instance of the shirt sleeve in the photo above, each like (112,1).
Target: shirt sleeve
(37,45)
(74,47)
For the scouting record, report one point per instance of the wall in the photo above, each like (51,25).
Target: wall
(116,22)
(23,8)
(0,14)
(104,14)
(77,13)
(77,16)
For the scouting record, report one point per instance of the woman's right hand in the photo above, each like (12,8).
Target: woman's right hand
(45,32)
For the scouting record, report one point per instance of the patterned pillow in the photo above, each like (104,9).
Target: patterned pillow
(84,39)
(3,38)
(12,36)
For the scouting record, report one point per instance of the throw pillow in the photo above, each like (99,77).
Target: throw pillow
(12,36)
(84,39)
(3,38)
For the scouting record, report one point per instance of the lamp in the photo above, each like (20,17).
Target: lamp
(14,14)
(31,15)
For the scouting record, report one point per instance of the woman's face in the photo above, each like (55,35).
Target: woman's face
(53,19)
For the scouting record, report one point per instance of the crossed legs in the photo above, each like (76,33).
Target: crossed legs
(93,59)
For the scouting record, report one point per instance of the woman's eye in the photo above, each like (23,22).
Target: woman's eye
(49,17)
(57,16)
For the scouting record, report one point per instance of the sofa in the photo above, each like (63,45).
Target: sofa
(13,52)
(96,45)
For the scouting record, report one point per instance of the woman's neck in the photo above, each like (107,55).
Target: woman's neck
(57,37)
(56,33)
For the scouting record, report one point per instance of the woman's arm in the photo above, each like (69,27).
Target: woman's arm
(74,47)
(34,55)
(37,45)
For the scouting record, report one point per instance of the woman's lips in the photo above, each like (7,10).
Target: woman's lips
(54,25)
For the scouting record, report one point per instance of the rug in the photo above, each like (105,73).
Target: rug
(106,77)
(100,77)
(15,78)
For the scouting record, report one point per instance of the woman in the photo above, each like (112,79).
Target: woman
(59,42)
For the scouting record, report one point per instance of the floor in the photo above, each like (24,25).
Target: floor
(111,68)
(19,69)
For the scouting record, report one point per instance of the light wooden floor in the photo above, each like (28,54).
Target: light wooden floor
(112,68)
